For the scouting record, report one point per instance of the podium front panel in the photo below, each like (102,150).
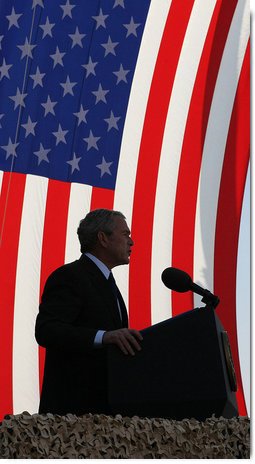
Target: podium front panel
(180,372)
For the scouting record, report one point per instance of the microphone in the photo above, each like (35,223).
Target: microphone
(175,279)
(180,281)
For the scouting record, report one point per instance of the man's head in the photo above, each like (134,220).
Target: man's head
(105,234)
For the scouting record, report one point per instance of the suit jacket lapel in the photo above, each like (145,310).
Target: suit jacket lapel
(103,286)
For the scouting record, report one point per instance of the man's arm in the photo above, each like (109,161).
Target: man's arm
(126,339)
(56,324)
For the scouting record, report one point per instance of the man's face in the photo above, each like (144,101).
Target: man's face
(119,243)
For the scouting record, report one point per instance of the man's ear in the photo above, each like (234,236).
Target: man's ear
(102,238)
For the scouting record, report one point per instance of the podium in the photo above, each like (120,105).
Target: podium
(184,370)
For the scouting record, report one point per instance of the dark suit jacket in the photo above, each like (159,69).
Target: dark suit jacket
(77,302)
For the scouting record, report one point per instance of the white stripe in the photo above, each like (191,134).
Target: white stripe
(3,220)
(1,179)
(79,206)
(171,152)
(131,139)
(25,348)
(214,146)
(243,294)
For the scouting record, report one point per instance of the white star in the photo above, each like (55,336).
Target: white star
(90,67)
(26,49)
(1,116)
(1,38)
(57,57)
(13,19)
(10,148)
(74,163)
(68,86)
(49,106)
(37,78)
(112,122)
(47,28)
(42,154)
(109,47)
(121,74)
(29,127)
(4,70)
(18,98)
(131,27)
(60,135)
(77,38)
(100,94)
(104,167)
(37,2)
(81,115)
(91,140)
(119,3)
(67,9)
(100,19)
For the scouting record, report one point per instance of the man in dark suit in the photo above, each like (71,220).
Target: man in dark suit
(81,312)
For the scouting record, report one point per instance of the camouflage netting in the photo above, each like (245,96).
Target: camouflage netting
(97,436)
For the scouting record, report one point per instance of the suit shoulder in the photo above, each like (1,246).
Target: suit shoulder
(64,271)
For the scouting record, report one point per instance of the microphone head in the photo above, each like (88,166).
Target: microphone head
(175,279)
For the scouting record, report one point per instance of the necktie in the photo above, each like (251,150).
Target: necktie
(112,282)
(116,292)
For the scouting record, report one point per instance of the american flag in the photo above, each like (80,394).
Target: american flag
(140,106)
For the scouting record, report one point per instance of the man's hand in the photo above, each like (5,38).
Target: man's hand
(125,339)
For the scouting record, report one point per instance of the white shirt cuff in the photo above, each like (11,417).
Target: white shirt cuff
(99,338)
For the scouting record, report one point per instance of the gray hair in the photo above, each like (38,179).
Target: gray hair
(95,221)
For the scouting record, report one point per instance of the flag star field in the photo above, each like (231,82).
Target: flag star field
(65,84)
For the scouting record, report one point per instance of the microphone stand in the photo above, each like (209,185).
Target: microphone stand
(211,301)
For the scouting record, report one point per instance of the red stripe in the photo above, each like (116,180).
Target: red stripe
(54,238)
(101,198)
(229,213)
(149,156)
(11,203)
(192,149)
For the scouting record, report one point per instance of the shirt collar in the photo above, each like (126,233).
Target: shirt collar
(103,268)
